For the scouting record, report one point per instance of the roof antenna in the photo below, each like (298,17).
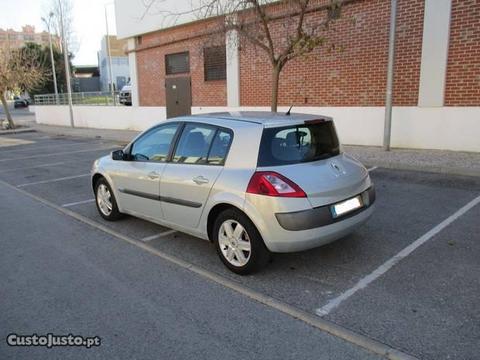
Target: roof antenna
(288,112)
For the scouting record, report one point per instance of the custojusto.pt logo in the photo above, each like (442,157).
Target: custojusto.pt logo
(50,340)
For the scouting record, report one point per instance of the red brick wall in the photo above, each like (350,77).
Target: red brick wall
(352,75)
(463,69)
(151,66)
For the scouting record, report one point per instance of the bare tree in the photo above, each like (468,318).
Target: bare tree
(282,30)
(53,6)
(19,70)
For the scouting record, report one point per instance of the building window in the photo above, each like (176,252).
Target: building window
(215,63)
(28,38)
(177,63)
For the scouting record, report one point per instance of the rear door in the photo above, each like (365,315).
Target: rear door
(138,180)
(196,164)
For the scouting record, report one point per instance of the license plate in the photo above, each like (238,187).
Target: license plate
(346,206)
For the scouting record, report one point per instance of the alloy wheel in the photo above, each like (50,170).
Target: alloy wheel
(104,200)
(234,243)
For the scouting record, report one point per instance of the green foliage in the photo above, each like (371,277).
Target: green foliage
(42,55)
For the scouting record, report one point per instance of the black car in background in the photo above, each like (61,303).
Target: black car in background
(20,102)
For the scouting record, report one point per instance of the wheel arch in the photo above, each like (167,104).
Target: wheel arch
(97,176)
(215,211)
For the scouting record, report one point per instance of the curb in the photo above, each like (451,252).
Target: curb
(59,132)
(19,131)
(429,169)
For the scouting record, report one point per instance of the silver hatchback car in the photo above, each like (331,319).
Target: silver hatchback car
(251,182)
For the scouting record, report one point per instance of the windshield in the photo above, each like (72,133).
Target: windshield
(311,141)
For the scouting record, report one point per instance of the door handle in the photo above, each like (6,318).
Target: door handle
(153,175)
(199,180)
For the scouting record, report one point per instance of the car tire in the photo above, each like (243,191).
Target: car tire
(105,201)
(242,250)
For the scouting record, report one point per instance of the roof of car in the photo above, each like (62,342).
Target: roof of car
(264,117)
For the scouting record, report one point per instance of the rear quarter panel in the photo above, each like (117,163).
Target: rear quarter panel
(239,167)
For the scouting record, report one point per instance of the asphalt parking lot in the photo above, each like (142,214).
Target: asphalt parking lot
(409,278)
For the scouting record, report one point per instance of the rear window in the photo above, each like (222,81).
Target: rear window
(298,143)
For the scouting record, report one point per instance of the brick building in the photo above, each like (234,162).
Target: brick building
(17,39)
(353,76)
(436,93)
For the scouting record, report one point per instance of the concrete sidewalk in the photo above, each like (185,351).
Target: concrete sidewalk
(107,134)
(437,161)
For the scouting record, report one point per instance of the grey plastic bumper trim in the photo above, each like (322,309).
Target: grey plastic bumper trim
(320,216)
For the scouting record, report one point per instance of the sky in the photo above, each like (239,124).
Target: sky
(88,24)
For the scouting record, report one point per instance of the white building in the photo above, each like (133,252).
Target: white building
(119,61)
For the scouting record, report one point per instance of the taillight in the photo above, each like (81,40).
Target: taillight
(271,183)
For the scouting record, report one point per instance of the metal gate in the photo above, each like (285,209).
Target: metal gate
(178,94)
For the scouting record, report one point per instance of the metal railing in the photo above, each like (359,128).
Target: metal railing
(79,98)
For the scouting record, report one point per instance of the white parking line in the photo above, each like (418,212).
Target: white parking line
(78,203)
(32,167)
(53,180)
(372,168)
(313,320)
(157,236)
(55,154)
(382,269)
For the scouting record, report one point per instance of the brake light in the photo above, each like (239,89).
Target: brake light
(271,183)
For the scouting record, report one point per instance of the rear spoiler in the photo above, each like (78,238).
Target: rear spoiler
(317,121)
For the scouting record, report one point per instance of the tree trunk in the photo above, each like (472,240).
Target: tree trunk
(7,112)
(275,77)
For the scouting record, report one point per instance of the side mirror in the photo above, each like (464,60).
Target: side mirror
(118,155)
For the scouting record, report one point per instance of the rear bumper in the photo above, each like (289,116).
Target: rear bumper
(320,216)
(303,230)
(292,241)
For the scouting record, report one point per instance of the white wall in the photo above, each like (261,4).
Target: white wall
(445,128)
(101,117)
(233,68)
(132,61)
(433,69)
(135,17)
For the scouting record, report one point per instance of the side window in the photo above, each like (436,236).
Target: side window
(194,144)
(219,149)
(154,145)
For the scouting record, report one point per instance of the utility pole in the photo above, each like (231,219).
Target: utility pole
(67,64)
(390,73)
(50,16)
(109,59)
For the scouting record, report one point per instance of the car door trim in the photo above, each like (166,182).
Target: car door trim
(140,194)
(180,202)
(161,198)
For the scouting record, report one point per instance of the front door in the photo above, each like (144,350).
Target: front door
(187,180)
(138,181)
(178,94)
